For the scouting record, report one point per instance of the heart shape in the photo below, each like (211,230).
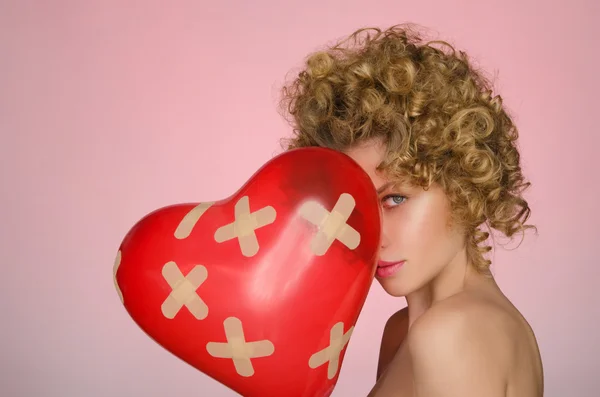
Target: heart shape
(260,291)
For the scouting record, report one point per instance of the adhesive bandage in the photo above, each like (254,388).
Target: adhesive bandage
(245,225)
(332,225)
(184,291)
(115,269)
(188,222)
(237,349)
(331,354)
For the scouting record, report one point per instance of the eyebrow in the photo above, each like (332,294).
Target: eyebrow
(384,187)
(398,184)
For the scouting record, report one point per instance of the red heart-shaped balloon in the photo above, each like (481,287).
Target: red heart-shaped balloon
(260,291)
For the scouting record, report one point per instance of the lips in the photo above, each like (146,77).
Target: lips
(387,264)
(387,269)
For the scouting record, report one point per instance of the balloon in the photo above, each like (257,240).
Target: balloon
(260,291)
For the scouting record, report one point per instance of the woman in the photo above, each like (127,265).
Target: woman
(441,151)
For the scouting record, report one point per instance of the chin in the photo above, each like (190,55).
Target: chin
(393,287)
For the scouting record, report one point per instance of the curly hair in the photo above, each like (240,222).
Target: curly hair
(434,111)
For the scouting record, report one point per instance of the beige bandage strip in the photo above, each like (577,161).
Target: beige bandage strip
(188,222)
(184,291)
(245,225)
(332,225)
(331,354)
(237,349)
(115,269)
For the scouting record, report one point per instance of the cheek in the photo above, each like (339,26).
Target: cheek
(419,229)
(407,231)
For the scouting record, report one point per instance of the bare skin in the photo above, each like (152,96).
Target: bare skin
(459,334)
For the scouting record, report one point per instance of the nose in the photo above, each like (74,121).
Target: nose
(384,235)
(384,241)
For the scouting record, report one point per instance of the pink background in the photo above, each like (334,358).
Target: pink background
(110,109)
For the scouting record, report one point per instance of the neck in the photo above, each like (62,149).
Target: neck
(450,281)
(418,303)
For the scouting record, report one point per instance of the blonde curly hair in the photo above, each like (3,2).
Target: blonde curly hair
(434,111)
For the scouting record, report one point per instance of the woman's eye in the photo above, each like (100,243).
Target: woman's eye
(393,200)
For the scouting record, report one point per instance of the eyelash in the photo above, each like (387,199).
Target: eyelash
(392,196)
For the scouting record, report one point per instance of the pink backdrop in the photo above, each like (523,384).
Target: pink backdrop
(111,109)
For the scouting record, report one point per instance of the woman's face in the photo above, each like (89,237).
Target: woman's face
(417,241)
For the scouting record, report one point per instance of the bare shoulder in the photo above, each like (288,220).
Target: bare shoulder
(463,319)
(466,343)
(470,313)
